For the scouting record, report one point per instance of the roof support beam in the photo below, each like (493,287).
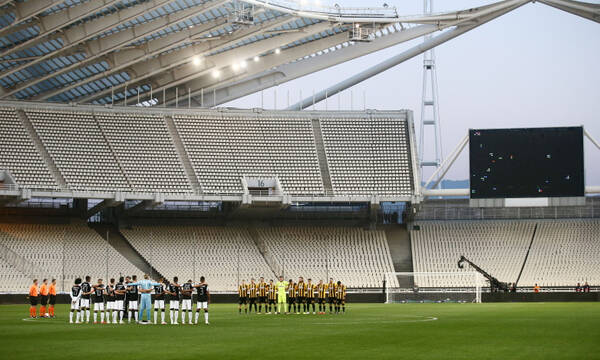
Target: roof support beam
(408,54)
(226,59)
(125,58)
(208,87)
(59,20)
(79,34)
(270,71)
(583,9)
(26,10)
(103,46)
(165,62)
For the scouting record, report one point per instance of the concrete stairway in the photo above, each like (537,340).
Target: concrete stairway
(399,244)
(326,177)
(112,152)
(269,258)
(183,156)
(39,145)
(118,241)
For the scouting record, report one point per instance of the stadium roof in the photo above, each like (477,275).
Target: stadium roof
(205,51)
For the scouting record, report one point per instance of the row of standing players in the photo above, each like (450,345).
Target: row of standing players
(117,298)
(45,295)
(298,296)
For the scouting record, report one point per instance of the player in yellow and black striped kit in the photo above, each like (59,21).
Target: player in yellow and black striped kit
(262,289)
(331,292)
(253,294)
(291,298)
(243,296)
(340,297)
(322,296)
(272,295)
(301,297)
(310,296)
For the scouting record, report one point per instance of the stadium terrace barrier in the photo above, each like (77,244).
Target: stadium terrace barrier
(541,297)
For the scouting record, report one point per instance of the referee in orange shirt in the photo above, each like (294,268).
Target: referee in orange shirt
(44,298)
(33,298)
(52,297)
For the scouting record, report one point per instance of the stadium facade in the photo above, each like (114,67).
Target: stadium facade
(92,186)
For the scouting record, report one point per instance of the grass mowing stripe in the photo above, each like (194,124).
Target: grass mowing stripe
(366,331)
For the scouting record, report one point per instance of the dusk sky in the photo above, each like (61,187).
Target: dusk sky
(534,67)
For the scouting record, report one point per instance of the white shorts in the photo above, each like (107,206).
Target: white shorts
(99,306)
(202,305)
(133,305)
(174,304)
(75,305)
(118,305)
(84,303)
(159,304)
(186,304)
(110,305)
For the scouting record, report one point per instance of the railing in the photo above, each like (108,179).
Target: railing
(458,212)
(260,193)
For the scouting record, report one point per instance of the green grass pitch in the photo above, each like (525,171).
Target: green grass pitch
(366,331)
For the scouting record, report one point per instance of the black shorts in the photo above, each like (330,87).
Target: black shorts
(340,301)
(243,300)
(291,300)
(52,299)
(33,300)
(43,300)
(300,299)
(262,299)
(252,300)
(321,300)
(331,300)
(310,300)
(272,301)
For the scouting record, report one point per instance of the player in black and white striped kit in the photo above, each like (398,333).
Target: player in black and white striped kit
(173,290)
(132,301)
(84,303)
(75,299)
(120,292)
(203,299)
(187,290)
(159,302)
(111,311)
(99,292)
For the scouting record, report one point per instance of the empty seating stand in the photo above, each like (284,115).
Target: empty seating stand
(79,149)
(368,155)
(224,255)
(99,149)
(357,257)
(65,252)
(498,247)
(145,151)
(563,252)
(19,155)
(225,148)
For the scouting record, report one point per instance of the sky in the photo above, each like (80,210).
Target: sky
(534,67)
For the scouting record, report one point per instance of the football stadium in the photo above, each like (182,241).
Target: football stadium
(167,191)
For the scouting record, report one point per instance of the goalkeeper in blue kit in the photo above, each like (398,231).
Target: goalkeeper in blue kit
(146,287)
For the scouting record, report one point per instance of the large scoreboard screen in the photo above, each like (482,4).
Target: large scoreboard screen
(525,163)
